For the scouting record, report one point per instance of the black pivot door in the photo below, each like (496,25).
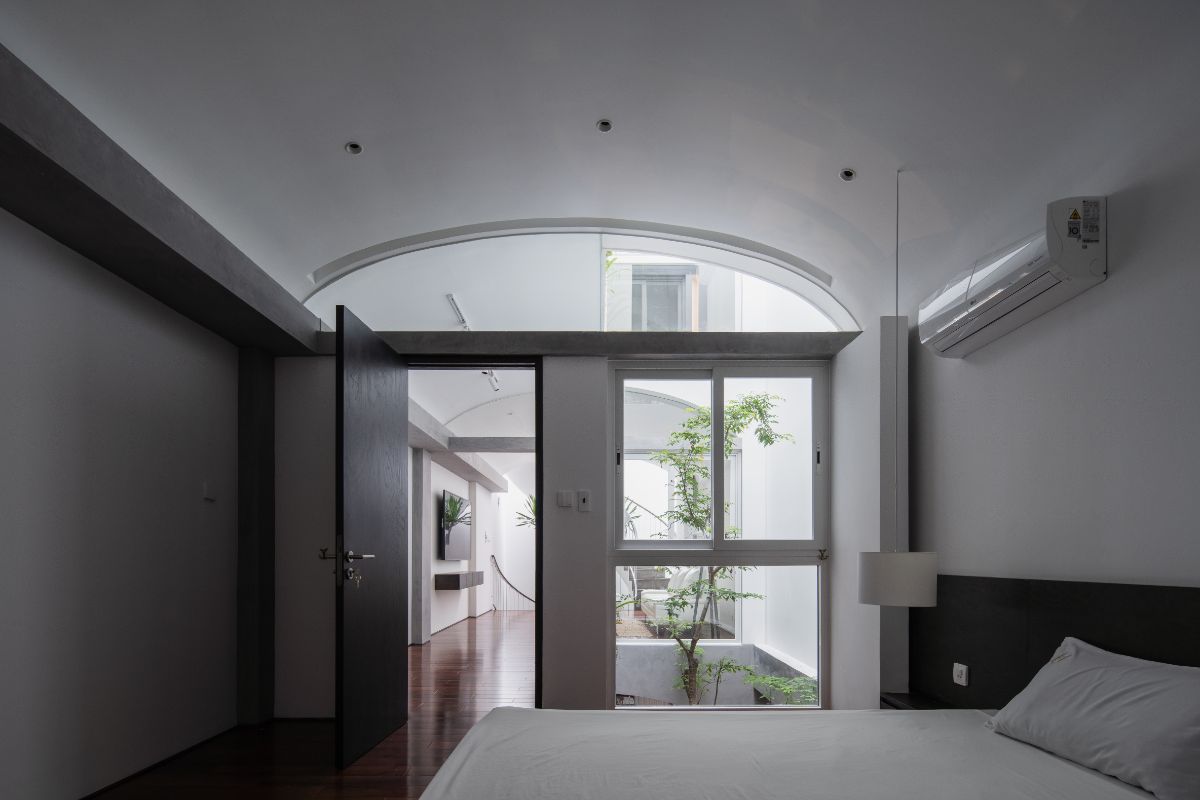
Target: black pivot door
(372,539)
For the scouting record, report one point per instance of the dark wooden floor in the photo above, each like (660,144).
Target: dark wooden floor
(464,672)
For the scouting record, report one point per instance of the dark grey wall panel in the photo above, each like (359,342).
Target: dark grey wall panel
(1005,629)
(119,602)
(63,175)
(256,536)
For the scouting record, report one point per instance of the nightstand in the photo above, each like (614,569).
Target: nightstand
(907,701)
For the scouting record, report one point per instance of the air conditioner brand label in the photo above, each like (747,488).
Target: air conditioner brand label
(1091,221)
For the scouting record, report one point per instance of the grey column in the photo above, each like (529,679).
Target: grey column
(256,537)
(424,514)
(893,491)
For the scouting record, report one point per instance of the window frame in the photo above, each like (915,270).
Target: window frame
(731,552)
(680,276)
(716,373)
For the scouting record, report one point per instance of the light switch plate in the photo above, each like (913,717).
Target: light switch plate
(585,501)
(566,498)
(961,674)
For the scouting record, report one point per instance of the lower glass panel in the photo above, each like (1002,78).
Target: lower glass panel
(717,636)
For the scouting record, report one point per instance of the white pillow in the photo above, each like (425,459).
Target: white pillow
(1136,720)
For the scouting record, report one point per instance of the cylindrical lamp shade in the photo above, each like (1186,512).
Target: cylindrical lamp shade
(897,579)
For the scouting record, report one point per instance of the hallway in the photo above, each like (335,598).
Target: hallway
(463,673)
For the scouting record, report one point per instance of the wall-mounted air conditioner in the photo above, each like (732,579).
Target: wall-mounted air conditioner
(1008,288)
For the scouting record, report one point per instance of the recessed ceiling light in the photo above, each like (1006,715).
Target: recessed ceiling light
(847,174)
(604,125)
(353,148)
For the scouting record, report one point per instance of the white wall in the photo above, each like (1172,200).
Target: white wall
(575,603)
(118,593)
(515,545)
(1070,449)
(305,506)
(448,606)
(854,637)
(485,530)
(500,284)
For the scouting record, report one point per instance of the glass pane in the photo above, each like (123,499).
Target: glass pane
(667,459)
(768,458)
(728,636)
(664,301)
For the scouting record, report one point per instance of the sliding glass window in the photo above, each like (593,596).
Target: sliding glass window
(726,458)
(719,585)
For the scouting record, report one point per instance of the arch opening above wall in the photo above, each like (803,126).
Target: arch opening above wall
(579,277)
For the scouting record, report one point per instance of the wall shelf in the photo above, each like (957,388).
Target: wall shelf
(457,580)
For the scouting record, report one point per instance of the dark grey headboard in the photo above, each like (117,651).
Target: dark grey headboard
(1005,629)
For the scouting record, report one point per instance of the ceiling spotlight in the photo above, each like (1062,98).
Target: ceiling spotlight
(604,125)
(847,174)
(458,312)
(353,148)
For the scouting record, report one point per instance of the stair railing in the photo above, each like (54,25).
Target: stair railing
(505,596)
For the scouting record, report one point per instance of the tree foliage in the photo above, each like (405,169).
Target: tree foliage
(691,608)
(687,455)
(799,690)
(528,517)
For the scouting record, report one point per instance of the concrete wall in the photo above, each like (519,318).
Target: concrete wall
(649,669)
(305,505)
(118,594)
(1070,448)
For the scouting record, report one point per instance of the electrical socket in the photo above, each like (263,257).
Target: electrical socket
(585,500)
(961,674)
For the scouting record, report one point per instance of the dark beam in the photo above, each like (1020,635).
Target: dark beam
(63,175)
(433,345)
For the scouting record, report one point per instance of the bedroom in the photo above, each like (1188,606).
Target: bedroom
(1065,451)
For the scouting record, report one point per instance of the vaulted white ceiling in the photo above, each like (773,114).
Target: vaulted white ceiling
(728,116)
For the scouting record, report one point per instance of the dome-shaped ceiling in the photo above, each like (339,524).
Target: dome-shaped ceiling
(729,117)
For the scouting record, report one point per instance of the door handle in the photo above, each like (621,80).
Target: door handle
(350,555)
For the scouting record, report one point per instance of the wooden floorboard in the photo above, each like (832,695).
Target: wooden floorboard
(464,672)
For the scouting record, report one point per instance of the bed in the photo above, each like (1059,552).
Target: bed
(528,754)
(1131,710)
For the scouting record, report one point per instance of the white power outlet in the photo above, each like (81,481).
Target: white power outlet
(585,500)
(961,674)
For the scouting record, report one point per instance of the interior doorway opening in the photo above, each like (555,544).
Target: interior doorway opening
(474,531)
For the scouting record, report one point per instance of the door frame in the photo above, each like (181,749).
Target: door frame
(534,363)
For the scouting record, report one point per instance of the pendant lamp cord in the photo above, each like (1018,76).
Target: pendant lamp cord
(896,399)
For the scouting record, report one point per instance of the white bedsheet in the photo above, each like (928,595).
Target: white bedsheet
(526,754)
